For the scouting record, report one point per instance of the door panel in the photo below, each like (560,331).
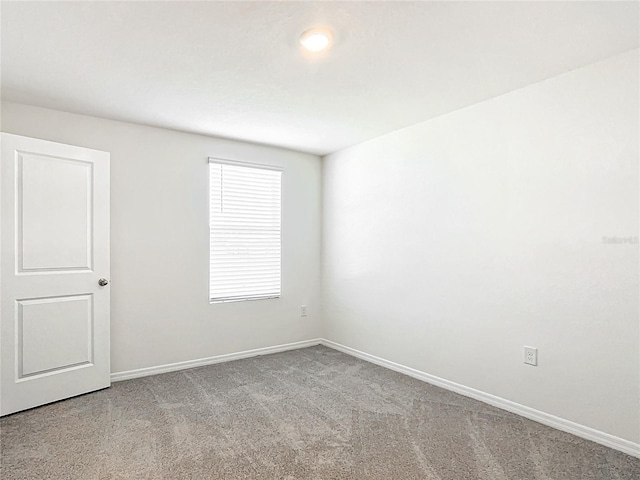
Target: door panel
(54,213)
(54,247)
(54,334)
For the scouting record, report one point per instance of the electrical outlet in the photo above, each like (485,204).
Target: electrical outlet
(303,310)
(531,356)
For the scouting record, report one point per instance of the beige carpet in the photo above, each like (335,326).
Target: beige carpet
(307,414)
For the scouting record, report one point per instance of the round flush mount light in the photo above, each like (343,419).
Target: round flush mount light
(316,39)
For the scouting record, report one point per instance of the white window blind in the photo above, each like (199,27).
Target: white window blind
(245,230)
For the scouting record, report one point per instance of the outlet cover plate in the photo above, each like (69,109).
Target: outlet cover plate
(531,356)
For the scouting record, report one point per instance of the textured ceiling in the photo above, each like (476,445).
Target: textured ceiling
(234,69)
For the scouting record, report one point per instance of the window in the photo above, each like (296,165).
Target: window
(244,231)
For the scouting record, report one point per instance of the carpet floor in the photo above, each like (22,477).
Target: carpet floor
(313,413)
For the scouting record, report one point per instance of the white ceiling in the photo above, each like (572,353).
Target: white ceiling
(234,69)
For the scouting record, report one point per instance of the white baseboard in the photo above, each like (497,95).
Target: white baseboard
(568,426)
(200,362)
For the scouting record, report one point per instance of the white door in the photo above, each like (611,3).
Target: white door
(54,244)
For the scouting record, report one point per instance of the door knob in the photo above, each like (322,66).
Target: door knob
(103,282)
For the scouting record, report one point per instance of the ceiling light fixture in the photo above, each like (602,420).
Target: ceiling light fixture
(316,39)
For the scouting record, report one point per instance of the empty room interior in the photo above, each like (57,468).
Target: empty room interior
(369,240)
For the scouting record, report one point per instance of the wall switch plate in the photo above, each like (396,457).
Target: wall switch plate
(303,310)
(531,356)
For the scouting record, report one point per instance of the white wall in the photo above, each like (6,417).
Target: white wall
(451,244)
(160,312)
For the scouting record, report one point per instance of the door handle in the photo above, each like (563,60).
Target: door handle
(103,282)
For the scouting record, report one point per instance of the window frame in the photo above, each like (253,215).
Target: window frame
(258,166)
